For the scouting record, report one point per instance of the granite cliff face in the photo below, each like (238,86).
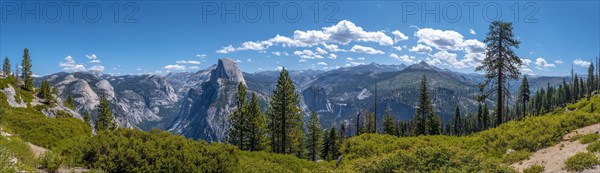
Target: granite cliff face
(137,101)
(205,109)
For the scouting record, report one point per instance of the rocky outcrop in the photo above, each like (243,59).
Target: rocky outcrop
(204,110)
(10,94)
(143,101)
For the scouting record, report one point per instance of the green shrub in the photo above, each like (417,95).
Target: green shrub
(41,130)
(63,114)
(580,161)
(51,161)
(534,169)
(516,156)
(6,164)
(594,147)
(588,138)
(575,137)
(127,150)
(15,147)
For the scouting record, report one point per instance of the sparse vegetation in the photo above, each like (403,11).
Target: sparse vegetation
(516,156)
(51,161)
(585,139)
(580,161)
(534,169)
(594,147)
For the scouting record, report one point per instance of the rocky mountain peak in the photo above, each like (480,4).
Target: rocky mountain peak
(422,66)
(227,69)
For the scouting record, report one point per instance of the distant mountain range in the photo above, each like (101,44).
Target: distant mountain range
(196,105)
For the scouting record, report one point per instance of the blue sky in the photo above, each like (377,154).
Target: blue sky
(162,36)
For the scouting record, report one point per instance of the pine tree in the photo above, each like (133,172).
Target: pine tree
(342,134)
(325,149)
(479,117)
(6,67)
(70,103)
(590,81)
(486,117)
(457,122)
(389,126)
(27,74)
(524,94)
(257,126)
(86,117)
(575,89)
(427,122)
(45,93)
(284,118)
(501,63)
(238,133)
(313,137)
(434,125)
(358,126)
(370,126)
(105,117)
(582,87)
(334,150)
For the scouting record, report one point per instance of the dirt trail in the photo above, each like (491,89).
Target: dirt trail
(553,158)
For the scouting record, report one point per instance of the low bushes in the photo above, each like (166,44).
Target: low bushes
(585,139)
(580,161)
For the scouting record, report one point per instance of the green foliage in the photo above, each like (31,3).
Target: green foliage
(63,114)
(23,95)
(127,150)
(26,71)
(37,128)
(51,161)
(70,103)
(516,156)
(481,152)
(575,137)
(46,93)
(15,147)
(426,119)
(594,147)
(389,127)
(6,67)
(580,161)
(524,95)
(285,118)
(248,124)
(313,140)
(105,118)
(534,169)
(5,161)
(331,144)
(585,139)
(276,163)
(501,64)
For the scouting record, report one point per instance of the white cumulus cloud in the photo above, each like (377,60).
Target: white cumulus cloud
(364,49)
(321,63)
(421,49)
(403,58)
(175,67)
(343,33)
(399,36)
(70,65)
(442,40)
(581,62)
(542,64)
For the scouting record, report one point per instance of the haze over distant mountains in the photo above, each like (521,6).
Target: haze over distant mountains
(197,104)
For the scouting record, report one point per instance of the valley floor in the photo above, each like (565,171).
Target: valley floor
(553,158)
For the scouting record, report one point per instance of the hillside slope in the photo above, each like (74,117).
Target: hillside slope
(492,150)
